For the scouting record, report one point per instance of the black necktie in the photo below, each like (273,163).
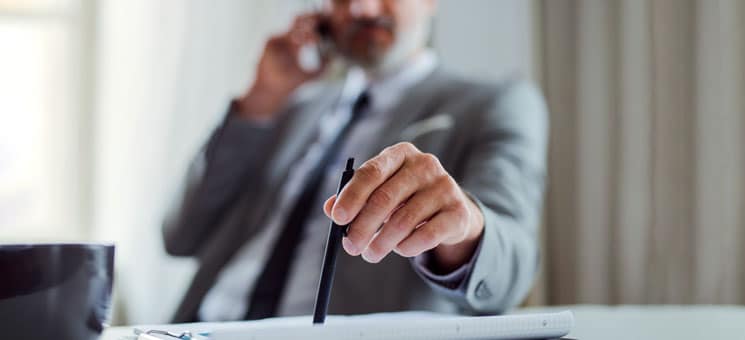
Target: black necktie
(273,279)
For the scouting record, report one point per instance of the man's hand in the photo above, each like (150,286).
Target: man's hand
(279,72)
(403,200)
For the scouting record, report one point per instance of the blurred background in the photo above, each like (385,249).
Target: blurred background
(103,103)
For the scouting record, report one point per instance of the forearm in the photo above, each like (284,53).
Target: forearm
(233,154)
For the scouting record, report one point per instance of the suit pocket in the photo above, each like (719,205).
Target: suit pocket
(434,142)
(442,121)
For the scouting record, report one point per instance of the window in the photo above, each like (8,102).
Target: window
(44,153)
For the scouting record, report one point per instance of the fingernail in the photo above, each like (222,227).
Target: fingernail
(340,215)
(367,256)
(349,247)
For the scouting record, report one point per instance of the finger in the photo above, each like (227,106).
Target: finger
(328,205)
(350,248)
(306,20)
(282,50)
(380,205)
(418,209)
(393,212)
(445,225)
(275,42)
(420,170)
(303,37)
(367,178)
(303,29)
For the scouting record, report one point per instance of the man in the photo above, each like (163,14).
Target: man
(443,212)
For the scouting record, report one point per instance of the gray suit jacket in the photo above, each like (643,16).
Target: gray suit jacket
(490,138)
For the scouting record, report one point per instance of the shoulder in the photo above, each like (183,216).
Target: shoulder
(507,91)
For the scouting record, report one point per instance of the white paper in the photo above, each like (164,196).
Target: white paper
(408,326)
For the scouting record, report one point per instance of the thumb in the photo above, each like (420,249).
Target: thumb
(328,205)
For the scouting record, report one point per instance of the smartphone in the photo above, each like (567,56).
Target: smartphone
(326,45)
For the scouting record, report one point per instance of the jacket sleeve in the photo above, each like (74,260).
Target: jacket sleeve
(213,181)
(505,175)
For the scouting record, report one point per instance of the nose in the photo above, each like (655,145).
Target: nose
(365,8)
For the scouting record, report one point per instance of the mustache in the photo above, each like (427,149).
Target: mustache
(383,22)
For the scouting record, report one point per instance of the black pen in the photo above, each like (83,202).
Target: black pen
(336,232)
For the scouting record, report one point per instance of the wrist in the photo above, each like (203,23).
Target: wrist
(261,103)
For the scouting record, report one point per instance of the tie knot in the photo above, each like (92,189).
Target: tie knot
(361,103)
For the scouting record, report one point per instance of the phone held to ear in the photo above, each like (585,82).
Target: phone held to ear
(311,56)
(324,31)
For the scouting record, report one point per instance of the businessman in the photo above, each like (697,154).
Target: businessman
(444,209)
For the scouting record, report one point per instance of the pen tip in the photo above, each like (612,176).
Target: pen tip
(350,163)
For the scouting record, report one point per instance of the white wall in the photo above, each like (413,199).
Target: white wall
(488,39)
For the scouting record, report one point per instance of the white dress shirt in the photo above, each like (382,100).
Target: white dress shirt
(228,298)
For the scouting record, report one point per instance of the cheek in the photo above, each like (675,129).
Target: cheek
(406,13)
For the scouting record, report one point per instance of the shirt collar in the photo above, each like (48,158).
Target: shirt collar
(387,90)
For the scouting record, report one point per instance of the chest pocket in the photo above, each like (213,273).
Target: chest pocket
(431,134)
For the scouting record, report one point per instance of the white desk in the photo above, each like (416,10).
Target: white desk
(657,322)
(621,323)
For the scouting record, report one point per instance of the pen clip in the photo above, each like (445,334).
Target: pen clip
(183,335)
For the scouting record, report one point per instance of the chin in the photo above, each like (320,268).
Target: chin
(369,59)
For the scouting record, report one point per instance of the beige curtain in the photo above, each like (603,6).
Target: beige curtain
(647,167)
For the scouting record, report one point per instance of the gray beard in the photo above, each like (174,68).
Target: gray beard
(403,49)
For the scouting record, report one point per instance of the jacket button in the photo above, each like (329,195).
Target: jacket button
(482,291)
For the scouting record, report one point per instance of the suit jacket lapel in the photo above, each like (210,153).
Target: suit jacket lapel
(416,103)
(298,133)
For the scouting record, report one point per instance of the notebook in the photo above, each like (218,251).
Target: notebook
(408,326)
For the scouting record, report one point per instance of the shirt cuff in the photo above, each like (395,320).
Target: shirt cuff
(453,280)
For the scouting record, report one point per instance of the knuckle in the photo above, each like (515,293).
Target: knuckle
(444,190)
(430,159)
(429,164)
(405,146)
(397,227)
(461,212)
(449,185)
(348,196)
(407,218)
(389,149)
(371,170)
(381,199)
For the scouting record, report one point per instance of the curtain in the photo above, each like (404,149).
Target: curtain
(647,190)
